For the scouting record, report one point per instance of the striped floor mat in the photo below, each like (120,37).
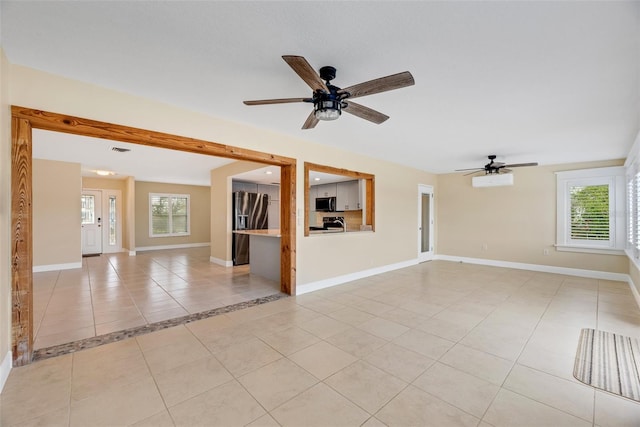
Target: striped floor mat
(610,362)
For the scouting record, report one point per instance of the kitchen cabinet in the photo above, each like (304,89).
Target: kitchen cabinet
(325,190)
(249,187)
(348,196)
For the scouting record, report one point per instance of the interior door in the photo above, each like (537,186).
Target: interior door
(91,222)
(425,223)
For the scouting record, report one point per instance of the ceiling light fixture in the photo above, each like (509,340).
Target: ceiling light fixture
(328,109)
(268,172)
(104,173)
(316,179)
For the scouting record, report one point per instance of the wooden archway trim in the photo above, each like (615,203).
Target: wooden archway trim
(26,119)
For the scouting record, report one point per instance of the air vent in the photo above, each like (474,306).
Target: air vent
(120,149)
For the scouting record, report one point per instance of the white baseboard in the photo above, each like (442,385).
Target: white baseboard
(5,368)
(182,246)
(593,274)
(327,283)
(132,253)
(222,262)
(53,267)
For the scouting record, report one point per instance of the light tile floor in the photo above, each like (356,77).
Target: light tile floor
(437,344)
(114,292)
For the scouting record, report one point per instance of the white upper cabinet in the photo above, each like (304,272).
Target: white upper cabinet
(348,196)
(325,190)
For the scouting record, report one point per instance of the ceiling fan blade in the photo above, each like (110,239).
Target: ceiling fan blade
(469,169)
(496,164)
(383,84)
(306,72)
(311,121)
(476,171)
(519,165)
(504,170)
(277,101)
(364,112)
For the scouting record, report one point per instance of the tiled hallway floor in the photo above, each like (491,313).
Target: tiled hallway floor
(437,344)
(113,292)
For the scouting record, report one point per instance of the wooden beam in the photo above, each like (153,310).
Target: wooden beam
(21,245)
(78,126)
(288,229)
(337,171)
(307,198)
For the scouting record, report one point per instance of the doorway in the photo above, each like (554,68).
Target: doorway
(101,226)
(26,119)
(425,223)
(91,213)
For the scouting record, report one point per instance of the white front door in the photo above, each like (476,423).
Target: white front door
(425,223)
(91,222)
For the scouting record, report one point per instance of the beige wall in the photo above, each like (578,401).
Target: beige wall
(221,205)
(103,183)
(517,223)
(200,202)
(56,213)
(318,257)
(5,212)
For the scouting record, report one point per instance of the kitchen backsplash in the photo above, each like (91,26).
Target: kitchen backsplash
(353,218)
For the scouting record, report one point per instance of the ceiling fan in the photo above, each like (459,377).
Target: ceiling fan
(329,100)
(496,167)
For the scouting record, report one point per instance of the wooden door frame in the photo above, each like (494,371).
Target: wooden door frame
(23,120)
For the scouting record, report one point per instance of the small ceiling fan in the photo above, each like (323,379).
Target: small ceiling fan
(329,100)
(496,167)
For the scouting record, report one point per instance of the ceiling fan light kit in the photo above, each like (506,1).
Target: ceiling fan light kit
(327,110)
(329,101)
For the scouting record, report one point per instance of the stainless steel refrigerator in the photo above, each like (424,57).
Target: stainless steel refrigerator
(249,213)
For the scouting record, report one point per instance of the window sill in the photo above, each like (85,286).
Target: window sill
(589,250)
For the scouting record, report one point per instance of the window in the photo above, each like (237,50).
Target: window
(633,214)
(112,221)
(168,215)
(88,204)
(591,206)
(351,207)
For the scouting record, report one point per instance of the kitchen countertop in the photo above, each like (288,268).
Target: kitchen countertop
(273,232)
(327,231)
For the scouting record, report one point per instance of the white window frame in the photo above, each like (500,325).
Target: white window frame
(614,177)
(170,196)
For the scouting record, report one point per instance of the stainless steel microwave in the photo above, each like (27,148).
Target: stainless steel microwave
(326,204)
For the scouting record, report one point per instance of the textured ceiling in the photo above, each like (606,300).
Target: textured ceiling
(552,82)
